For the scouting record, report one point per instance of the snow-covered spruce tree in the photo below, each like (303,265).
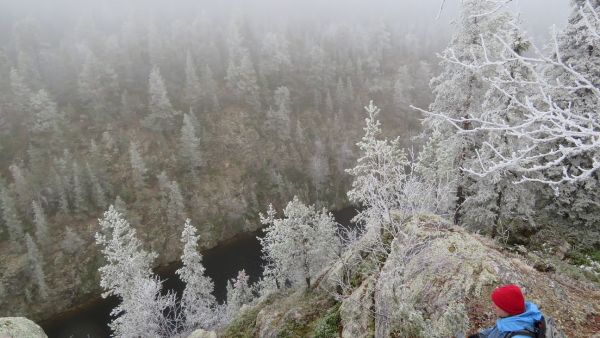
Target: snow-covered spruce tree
(46,116)
(197,302)
(176,206)
(274,55)
(138,167)
(128,276)
(554,139)
(242,81)
(164,187)
(72,242)
(79,190)
(161,116)
(142,314)
(403,88)
(297,246)
(378,174)
(241,78)
(98,88)
(210,95)
(278,120)
(190,144)
(387,184)
(10,215)
(21,186)
(319,166)
(461,91)
(576,150)
(239,292)
(98,193)
(21,93)
(192,91)
(41,225)
(36,267)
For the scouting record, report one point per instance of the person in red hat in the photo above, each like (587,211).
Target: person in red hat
(517,317)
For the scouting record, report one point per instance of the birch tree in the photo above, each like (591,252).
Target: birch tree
(300,244)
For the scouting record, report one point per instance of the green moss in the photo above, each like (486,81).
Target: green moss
(329,325)
(244,326)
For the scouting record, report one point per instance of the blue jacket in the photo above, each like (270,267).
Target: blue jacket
(524,321)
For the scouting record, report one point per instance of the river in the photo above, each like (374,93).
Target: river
(221,262)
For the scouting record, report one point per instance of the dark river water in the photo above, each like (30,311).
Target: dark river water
(222,263)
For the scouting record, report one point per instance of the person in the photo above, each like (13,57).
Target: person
(518,318)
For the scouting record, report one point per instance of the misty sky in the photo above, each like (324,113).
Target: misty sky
(537,15)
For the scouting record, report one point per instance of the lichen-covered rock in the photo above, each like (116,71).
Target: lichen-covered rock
(20,327)
(298,313)
(355,311)
(203,334)
(438,285)
(434,283)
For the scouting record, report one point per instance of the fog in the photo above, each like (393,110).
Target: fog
(419,16)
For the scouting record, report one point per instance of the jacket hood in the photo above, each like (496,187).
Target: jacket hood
(524,321)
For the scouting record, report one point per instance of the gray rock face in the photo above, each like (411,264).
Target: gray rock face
(20,327)
(355,311)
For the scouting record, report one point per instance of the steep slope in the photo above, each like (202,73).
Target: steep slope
(437,285)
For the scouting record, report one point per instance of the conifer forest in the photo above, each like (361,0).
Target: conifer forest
(287,168)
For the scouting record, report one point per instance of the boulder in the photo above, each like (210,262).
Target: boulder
(20,327)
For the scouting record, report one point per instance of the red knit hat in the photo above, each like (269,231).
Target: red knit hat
(510,299)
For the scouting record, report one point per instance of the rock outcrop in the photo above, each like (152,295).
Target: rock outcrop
(20,327)
(437,284)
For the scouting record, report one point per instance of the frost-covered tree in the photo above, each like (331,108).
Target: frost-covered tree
(320,72)
(41,224)
(128,275)
(161,115)
(36,266)
(190,144)
(46,116)
(197,301)
(242,81)
(142,313)
(98,88)
(10,216)
(126,260)
(121,206)
(192,91)
(319,166)
(138,167)
(210,97)
(22,186)
(378,174)
(21,93)
(275,55)
(403,88)
(164,186)
(79,190)
(72,242)
(98,192)
(297,246)
(239,292)
(176,205)
(386,183)
(550,136)
(461,91)
(278,120)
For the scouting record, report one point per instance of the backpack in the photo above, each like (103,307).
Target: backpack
(544,328)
